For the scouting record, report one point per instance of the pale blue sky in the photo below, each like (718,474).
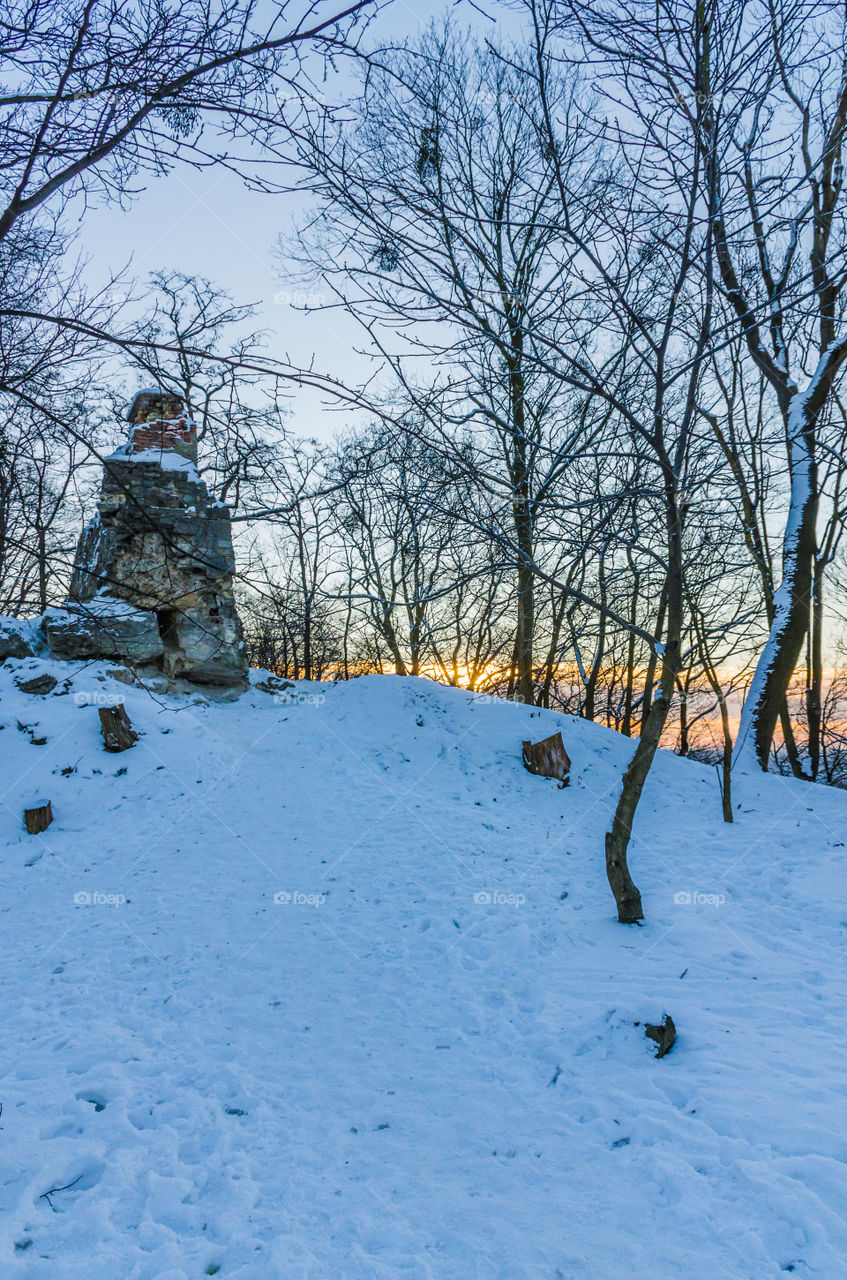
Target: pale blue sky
(207,223)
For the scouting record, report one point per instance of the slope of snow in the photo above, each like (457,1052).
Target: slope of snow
(327,986)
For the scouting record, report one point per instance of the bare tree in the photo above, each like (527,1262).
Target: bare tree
(101,96)
(98,93)
(436,232)
(44,485)
(391,513)
(200,344)
(772,96)
(622,335)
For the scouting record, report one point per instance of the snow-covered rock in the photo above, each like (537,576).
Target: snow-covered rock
(103,627)
(19,638)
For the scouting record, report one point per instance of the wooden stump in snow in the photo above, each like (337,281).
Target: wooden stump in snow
(38,817)
(664,1034)
(118,733)
(548,758)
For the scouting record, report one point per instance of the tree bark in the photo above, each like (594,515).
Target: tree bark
(523,518)
(682,690)
(39,817)
(525,633)
(623,887)
(726,762)
(548,758)
(552,652)
(650,674)
(590,698)
(626,726)
(777,663)
(627,896)
(814,691)
(118,733)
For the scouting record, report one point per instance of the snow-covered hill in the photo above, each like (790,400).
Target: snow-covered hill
(327,986)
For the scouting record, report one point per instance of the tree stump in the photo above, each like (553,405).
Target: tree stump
(548,758)
(664,1035)
(44,683)
(38,817)
(118,733)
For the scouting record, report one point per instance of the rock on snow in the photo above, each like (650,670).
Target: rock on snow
(325,984)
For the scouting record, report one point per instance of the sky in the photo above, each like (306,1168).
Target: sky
(207,223)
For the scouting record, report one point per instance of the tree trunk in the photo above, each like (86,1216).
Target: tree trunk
(513,671)
(726,763)
(415,633)
(38,817)
(682,689)
(525,633)
(788,738)
(118,733)
(553,652)
(42,569)
(790,625)
(346,649)
(626,726)
(626,894)
(717,688)
(389,635)
(814,691)
(589,704)
(307,642)
(522,515)
(650,674)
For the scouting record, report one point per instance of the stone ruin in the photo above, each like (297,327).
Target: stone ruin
(152,577)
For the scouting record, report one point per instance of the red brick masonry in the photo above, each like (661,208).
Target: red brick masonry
(173,433)
(158,421)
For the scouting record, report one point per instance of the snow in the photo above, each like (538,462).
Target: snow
(145,391)
(167,459)
(25,630)
(101,605)
(422,1059)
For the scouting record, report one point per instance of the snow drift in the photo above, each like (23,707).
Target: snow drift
(324,984)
